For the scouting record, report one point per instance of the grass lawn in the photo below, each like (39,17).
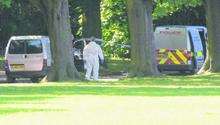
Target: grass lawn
(13,95)
(207,85)
(175,80)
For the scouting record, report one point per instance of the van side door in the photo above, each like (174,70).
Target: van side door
(198,48)
(15,55)
(34,55)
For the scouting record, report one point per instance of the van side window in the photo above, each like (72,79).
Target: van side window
(17,47)
(203,38)
(34,46)
(79,45)
(191,42)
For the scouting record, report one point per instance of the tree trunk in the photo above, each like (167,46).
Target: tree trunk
(91,19)
(143,52)
(213,23)
(57,15)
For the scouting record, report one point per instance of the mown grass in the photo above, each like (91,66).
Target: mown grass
(71,89)
(10,101)
(30,94)
(175,85)
(22,99)
(8,110)
(176,80)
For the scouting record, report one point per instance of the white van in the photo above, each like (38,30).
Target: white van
(180,48)
(27,57)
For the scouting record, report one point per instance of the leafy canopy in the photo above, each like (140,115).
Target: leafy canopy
(5,3)
(168,7)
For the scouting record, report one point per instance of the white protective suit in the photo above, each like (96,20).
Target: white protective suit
(91,55)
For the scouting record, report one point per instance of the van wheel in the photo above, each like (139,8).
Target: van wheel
(35,80)
(192,72)
(182,72)
(10,79)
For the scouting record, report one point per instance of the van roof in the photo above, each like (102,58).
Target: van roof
(27,37)
(182,26)
(83,39)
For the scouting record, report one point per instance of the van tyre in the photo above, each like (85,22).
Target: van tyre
(10,79)
(192,72)
(35,80)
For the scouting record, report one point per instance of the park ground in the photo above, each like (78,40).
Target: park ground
(162,100)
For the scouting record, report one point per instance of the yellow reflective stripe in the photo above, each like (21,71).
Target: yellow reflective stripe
(173,58)
(162,50)
(182,57)
(199,54)
(162,61)
(192,54)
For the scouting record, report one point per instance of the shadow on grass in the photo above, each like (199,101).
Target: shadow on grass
(6,111)
(22,99)
(188,80)
(108,90)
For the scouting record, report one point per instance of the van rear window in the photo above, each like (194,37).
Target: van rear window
(34,46)
(173,38)
(17,47)
(25,47)
(79,45)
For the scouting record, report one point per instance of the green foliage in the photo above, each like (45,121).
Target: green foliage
(168,7)
(115,22)
(76,15)
(2,60)
(115,27)
(192,16)
(5,3)
(20,19)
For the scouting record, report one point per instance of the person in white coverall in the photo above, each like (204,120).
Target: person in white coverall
(91,55)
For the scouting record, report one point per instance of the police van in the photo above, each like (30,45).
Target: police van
(180,48)
(27,57)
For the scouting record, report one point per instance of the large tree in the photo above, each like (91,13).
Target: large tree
(213,22)
(91,19)
(56,14)
(143,52)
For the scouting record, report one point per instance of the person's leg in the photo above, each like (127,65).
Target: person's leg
(88,70)
(92,72)
(96,70)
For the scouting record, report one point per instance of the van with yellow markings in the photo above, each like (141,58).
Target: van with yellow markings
(180,48)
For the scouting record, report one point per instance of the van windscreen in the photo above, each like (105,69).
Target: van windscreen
(25,47)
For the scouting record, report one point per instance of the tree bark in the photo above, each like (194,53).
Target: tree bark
(57,14)
(143,52)
(213,23)
(91,19)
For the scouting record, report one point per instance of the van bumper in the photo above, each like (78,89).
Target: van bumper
(28,74)
(166,67)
